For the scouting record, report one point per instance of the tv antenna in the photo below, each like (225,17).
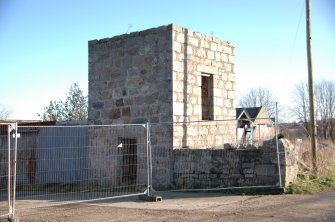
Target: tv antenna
(129,27)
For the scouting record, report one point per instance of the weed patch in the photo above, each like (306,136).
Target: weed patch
(312,185)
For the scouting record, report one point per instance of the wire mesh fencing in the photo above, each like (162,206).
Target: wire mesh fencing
(4,167)
(8,145)
(69,164)
(57,165)
(208,155)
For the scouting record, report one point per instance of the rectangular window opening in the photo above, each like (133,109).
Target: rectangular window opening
(207,96)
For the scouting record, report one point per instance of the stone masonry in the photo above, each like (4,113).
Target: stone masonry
(130,78)
(168,76)
(231,167)
(194,56)
(183,83)
(156,75)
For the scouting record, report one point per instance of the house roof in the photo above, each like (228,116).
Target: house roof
(239,112)
(251,112)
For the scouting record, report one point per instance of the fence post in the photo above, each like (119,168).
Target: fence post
(14,170)
(149,196)
(277,146)
(9,172)
(148,159)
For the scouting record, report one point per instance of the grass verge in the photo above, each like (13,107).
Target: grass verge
(307,183)
(312,185)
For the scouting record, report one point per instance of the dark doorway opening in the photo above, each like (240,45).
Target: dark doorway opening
(129,161)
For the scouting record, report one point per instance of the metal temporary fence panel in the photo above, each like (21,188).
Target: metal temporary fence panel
(3,169)
(7,169)
(208,155)
(68,164)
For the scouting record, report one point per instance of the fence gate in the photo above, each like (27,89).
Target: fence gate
(8,142)
(56,165)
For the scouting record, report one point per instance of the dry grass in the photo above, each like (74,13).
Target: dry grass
(298,135)
(307,182)
(325,156)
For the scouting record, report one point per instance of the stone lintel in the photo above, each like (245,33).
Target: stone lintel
(207,69)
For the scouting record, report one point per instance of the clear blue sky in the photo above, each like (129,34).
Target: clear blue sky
(43,43)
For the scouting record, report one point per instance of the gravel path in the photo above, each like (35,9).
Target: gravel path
(194,207)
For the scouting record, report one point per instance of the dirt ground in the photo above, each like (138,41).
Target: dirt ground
(194,207)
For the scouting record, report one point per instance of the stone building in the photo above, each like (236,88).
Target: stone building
(183,82)
(160,75)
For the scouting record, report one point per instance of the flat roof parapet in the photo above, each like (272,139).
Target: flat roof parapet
(163,28)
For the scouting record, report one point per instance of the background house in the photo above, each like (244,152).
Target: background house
(257,118)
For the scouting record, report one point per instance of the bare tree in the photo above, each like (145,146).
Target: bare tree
(325,100)
(325,107)
(259,97)
(4,112)
(300,108)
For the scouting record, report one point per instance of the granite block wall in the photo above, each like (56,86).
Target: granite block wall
(156,75)
(231,167)
(130,78)
(195,55)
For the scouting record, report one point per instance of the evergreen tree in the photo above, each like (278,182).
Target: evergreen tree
(73,108)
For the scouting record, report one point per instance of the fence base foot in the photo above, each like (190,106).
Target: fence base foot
(145,197)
